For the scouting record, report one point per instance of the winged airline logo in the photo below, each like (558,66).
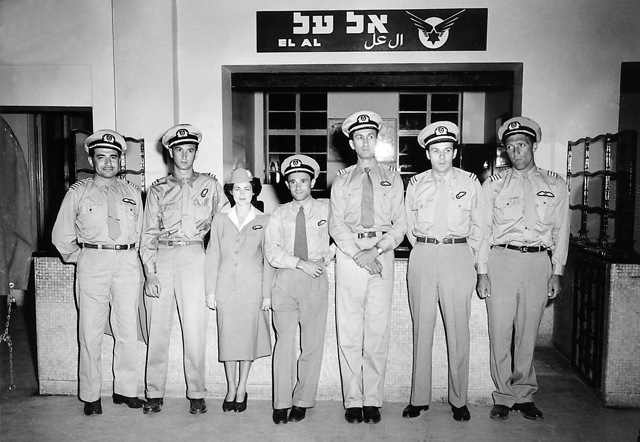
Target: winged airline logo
(434,31)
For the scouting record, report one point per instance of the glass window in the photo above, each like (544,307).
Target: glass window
(296,123)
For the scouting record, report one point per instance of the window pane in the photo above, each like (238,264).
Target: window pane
(321,182)
(313,120)
(413,102)
(313,102)
(444,102)
(282,143)
(321,159)
(415,121)
(282,102)
(282,120)
(313,143)
(444,117)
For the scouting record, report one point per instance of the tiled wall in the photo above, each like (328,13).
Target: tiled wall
(58,349)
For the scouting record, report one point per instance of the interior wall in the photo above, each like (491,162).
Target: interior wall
(169,54)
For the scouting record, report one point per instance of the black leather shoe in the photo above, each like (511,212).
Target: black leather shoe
(529,411)
(280,416)
(371,415)
(297,414)
(131,402)
(92,408)
(241,406)
(499,412)
(461,413)
(414,410)
(197,406)
(153,405)
(353,415)
(228,405)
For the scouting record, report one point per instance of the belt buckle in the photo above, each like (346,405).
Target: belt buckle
(526,249)
(117,247)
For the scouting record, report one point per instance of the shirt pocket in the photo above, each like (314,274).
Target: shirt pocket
(424,211)
(507,209)
(92,218)
(128,214)
(170,214)
(544,208)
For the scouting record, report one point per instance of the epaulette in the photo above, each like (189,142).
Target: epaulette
(553,174)
(496,177)
(391,168)
(345,170)
(162,180)
(473,176)
(413,180)
(135,186)
(80,183)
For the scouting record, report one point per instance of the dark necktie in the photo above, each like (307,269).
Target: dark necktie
(188,214)
(367,200)
(113,221)
(440,224)
(300,244)
(529,206)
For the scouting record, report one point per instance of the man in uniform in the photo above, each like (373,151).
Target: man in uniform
(98,228)
(442,206)
(177,216)
(297,245)
(367,223)
(526,220)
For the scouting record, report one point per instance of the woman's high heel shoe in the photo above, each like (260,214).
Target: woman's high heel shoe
(228,405)
(241,406)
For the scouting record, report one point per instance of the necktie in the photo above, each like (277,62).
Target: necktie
(440,224)
(529,206)
(188,214)
(300,243)
(113,221)
(367,200)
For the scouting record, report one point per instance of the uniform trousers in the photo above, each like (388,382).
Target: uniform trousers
(519,294)
(363,311)
(108,281)
(298,299)
(181,273)
(444,274)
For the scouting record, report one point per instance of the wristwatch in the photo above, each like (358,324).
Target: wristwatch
(379,250)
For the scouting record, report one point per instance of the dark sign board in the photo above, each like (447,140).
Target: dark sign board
(378,30)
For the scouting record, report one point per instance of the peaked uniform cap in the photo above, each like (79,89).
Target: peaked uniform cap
(181,134)
(241,175)
(361,120)
(520,125)
(439,132)
(300,163)
(106,138)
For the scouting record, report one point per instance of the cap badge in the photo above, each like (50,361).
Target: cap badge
(182,132)
(364,118)
(108,138)
(514,125)
(441,130)
(296,163)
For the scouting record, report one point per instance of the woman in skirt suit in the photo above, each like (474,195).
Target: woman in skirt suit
(238,284)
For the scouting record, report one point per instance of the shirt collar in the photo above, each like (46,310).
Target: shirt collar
(529,173)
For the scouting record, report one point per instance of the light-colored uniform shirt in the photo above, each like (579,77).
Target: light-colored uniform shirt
(83,216)
(346,207)
(163,212)
(503,218)
(281,232)
(463,206)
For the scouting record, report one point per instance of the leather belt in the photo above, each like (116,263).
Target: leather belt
(171,243)
(444,240)
(523,249)
(369,234)
(108,246)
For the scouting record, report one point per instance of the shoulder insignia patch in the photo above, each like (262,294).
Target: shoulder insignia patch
(80,183)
